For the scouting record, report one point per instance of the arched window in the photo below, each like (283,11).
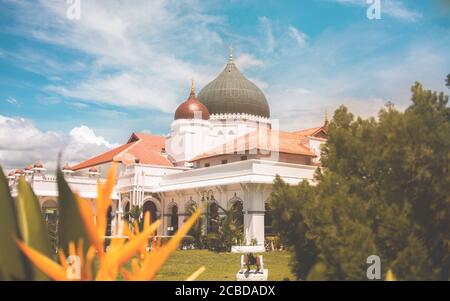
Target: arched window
(173,220)
(149,206)
(213,217)
(109,218)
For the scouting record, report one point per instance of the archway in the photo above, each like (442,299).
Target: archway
(173,219)
(213,217)
(149,206)
(109,218)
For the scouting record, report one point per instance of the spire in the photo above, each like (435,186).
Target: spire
(192,88)
(231,54)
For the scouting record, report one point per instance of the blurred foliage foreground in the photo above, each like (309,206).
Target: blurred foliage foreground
(27,254)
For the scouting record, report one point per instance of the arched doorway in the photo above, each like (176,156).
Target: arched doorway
(50,211)
(149,206)
(109,218)
(173,220)
(213,217)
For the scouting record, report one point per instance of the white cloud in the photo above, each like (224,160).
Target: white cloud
(298,36)
(23,143)
(246,61)
(86,135)
(134,54)
(270,40)
(12,101)
(326,74)
(398,10)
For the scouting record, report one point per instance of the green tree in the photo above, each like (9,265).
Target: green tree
(229,232)
(384,189)
(287,207)
(196,230)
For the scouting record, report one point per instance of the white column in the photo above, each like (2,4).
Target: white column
(254,214)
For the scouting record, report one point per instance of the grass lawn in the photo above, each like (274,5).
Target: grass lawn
(220,266)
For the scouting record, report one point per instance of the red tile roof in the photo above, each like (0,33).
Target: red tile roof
(262,140)
(144,147)
(311,131)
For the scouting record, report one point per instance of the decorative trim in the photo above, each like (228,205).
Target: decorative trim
(240,116)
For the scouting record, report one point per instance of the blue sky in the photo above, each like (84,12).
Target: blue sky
(125,65)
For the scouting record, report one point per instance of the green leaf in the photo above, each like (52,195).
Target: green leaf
(13,265)
(70,227)
(31,224)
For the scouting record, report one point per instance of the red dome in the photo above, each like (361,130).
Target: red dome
(29,167)
(19,172)
(93,169)
(192,109)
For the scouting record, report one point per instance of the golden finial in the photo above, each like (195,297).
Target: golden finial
(193,87)
(231,54)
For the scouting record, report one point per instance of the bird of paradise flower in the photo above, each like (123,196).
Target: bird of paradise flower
(120,251)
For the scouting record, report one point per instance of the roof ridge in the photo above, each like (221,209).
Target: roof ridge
(127,149)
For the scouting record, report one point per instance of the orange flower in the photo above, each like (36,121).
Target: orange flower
(120,251)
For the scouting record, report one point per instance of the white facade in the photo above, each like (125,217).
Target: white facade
(191,137)
(248,181)
(164,175)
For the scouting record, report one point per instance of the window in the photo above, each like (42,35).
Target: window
(224,161)
(173,220)
(243,158)
(213,218)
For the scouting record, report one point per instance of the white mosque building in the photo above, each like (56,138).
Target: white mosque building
(223,149)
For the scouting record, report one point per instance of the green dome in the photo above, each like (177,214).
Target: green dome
(232,93)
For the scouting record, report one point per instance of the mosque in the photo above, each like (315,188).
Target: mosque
(223,151)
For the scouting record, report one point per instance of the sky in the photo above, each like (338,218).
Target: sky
(82,86)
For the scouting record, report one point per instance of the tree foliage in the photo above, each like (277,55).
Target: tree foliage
(229,232)
(384,189)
